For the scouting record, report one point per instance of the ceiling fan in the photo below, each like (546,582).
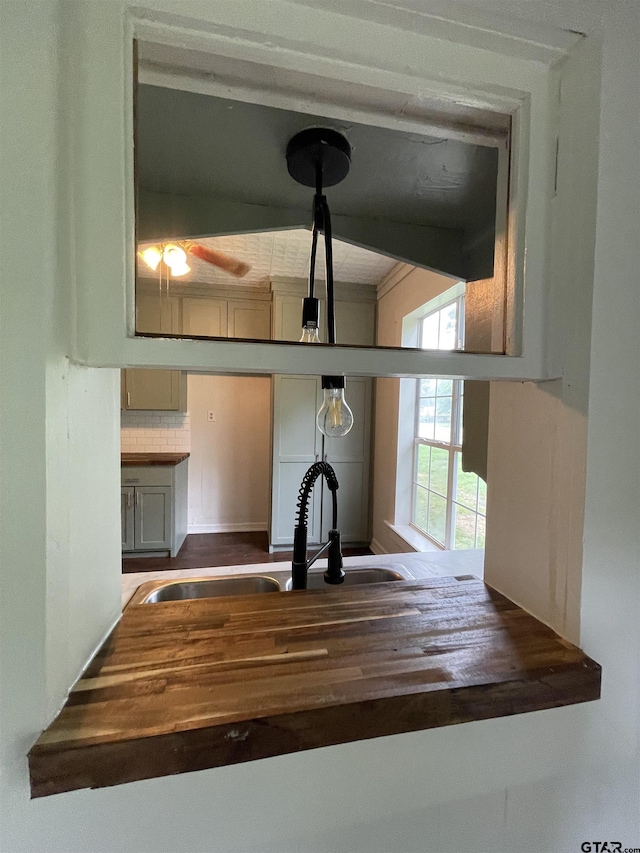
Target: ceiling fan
(174,256)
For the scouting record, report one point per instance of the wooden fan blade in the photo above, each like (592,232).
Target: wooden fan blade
(219,259)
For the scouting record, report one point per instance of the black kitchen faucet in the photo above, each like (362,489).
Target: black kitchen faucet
(300,565)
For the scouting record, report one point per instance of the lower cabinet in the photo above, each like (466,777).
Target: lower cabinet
(154,514)
(146,518)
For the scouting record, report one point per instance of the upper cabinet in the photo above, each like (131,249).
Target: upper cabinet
(153,390)
(204,317)
(224,317)
(247,315)
(157,312)
(355,312)
(249,319)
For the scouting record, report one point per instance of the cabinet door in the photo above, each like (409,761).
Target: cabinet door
(356,323)
(204,317)
(163,390)
(127,494)
(153,518)
(296,446)
(287,318)
(350,457)
(157,312)
(249,319)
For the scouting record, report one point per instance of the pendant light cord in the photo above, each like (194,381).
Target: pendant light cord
(314,247)
(328,251)
(322,222)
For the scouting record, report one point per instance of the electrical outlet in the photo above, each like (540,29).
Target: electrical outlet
(211,417)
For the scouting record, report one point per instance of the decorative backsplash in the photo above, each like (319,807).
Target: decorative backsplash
(155,432)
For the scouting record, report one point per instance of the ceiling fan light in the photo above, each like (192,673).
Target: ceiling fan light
(151,256)
(174,256)
(180,269)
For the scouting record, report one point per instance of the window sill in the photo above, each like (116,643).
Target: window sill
(414,539)
(320,668)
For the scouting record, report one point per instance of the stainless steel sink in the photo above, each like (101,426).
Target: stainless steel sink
(156,592)
(353,577)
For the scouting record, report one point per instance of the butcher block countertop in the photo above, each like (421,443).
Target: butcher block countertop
(130,459)
(189,685)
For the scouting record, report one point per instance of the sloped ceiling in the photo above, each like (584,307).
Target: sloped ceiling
(209,166)
(283,254)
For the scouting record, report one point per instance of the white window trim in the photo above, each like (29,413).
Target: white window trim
(408,438)
(452,65)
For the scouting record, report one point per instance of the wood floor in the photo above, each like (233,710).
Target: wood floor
(201,550)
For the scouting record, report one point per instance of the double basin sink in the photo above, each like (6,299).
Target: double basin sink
(156,592)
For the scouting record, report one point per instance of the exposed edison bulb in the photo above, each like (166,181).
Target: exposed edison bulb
(310,315)
(310,335)
(151,256)
(334,418)
(174,256)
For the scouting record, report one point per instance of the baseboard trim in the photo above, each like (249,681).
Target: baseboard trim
(242,527)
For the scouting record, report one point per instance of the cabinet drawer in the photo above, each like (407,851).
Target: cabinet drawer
(148,475)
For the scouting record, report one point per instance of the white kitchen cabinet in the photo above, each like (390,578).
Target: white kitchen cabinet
(154,508)
(204,317)
(217,317)
(249,318)
(286,322)
(127,519)
(153,514)
(350,458)
(157,312)
(153,390)
(355,313)
(298,443)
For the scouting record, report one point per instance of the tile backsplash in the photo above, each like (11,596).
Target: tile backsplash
(155,432)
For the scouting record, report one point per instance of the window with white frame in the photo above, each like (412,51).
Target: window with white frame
(448,504)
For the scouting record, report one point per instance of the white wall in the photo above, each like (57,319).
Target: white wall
(539,782)
(230,463)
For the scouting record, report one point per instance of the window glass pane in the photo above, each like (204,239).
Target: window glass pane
(482,526)
(459,436)
(443,419)
(430,327)
(422,467)
(445,387)
(427,387)
(439,470)
(420,503)
(426,421)
(464,527)
(461,329)
(482,496)
(466,485)
(437,517)
(448,326)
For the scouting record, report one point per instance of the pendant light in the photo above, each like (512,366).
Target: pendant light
(321,157)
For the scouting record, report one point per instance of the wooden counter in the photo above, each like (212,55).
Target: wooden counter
(183,686)
(137,459)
